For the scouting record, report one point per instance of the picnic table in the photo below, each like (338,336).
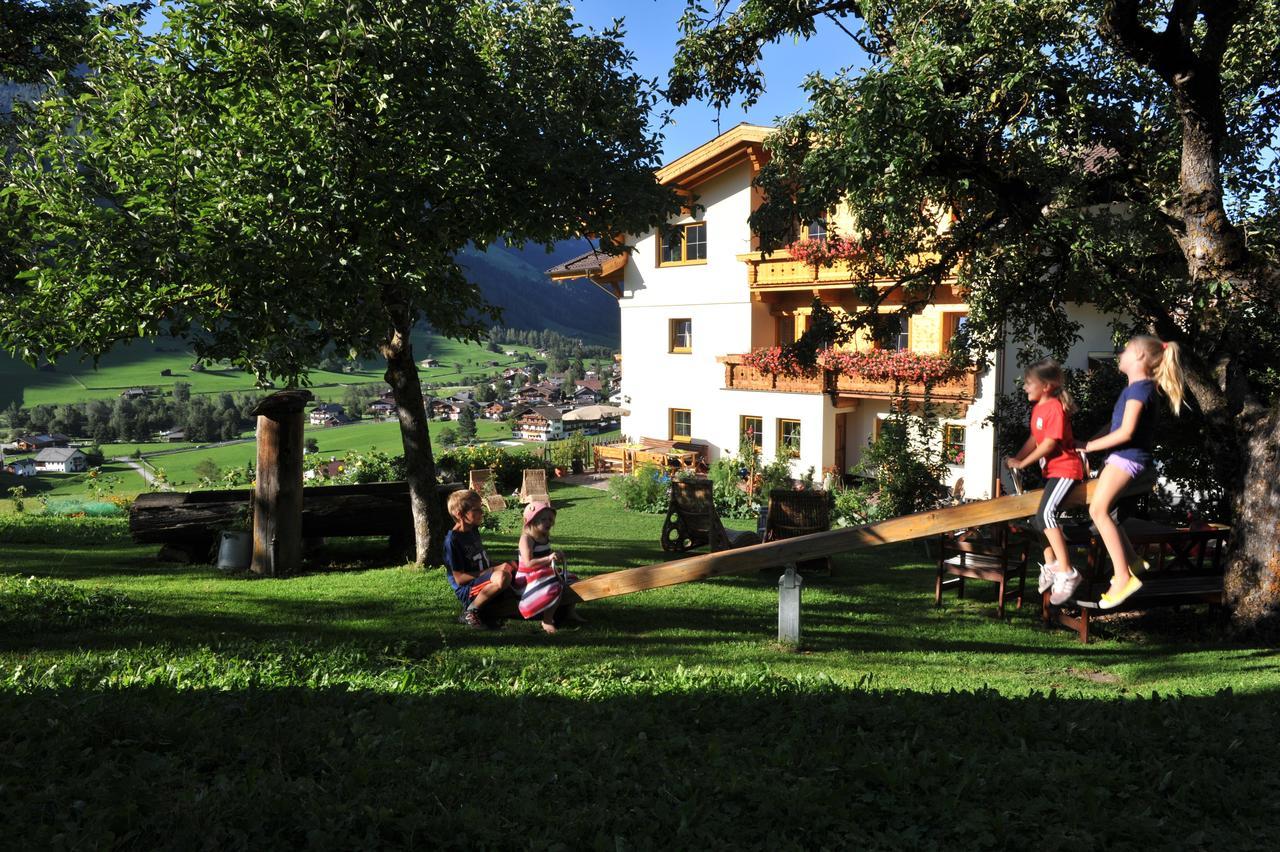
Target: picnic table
(1184,567)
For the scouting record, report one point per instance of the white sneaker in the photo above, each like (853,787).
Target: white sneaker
(1046,577)
(1064,586)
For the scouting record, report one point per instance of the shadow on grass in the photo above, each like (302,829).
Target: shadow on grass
(674,762)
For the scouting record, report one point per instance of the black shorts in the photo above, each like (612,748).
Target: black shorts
(1055,491)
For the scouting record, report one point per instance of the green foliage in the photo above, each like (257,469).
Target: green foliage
(16,494)
(575,448)
(507,466)
(906,464)
(645,489)
(466,424)
(37,605)
(347,216)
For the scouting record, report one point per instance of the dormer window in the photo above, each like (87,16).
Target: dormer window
(683,244)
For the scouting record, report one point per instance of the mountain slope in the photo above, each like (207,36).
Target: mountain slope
(514,279)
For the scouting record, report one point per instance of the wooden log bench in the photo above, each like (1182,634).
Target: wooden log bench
(1185,567)
(187,524)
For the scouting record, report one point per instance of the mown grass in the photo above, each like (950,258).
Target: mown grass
(347,707)
(140,365)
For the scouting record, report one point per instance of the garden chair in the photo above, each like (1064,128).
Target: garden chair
(533,487)
(996,553)
(794,513)
(482,482)
(692,520)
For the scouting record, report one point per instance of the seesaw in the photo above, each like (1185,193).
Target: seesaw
(787,553)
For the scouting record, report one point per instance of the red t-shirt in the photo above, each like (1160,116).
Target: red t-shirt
(1048,420)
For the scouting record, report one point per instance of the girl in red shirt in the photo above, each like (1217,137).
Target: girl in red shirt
(1053,446)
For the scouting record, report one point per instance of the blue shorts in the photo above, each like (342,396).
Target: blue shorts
(467,591)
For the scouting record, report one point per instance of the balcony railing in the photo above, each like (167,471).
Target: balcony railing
(739,376)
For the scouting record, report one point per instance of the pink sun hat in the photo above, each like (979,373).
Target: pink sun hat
(535,508)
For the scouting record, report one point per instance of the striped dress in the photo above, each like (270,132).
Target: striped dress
(540,588)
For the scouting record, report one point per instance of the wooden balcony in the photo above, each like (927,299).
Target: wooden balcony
(738,376)
(780,271)
(961,389)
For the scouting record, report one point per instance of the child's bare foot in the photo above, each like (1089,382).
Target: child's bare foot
(548,627)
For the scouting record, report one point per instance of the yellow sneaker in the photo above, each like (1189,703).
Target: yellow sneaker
(1110,601)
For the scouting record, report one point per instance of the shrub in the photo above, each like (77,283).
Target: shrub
(852,506)
(907,471)
(36,605)
(62,531)
(645,490)
(507,467)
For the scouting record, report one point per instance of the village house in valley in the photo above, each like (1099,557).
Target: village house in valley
(698,295)
(61,460)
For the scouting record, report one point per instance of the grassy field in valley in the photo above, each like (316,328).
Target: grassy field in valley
(154,704)
(140,364)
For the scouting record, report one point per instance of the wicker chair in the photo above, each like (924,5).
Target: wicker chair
(481,481)
(692,520)
(795,513)
(533,486)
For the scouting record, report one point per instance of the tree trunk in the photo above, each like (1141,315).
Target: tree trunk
(1252,583)
(420,466)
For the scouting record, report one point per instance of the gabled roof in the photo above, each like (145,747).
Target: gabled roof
(57,454)
(739,143)
(546,412)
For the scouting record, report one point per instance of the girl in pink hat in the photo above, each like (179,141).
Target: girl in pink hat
(538,580)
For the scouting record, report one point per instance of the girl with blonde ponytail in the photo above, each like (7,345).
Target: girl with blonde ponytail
(1150,365)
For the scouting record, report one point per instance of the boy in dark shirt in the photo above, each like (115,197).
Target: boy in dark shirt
(474,580)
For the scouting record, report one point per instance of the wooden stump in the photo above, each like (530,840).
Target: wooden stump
(277,497)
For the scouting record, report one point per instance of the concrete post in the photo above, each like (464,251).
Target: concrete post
(789,588)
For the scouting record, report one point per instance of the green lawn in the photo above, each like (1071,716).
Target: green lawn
(333,441)
(140,365)
(159,704)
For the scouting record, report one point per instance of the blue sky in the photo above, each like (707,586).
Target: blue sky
(651,33)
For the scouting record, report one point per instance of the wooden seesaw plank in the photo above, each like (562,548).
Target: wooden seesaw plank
(746,560)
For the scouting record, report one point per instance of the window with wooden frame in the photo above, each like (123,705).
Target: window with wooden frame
(953,323)
(788,439)
(902,340)
(953,436)
(680,336)
(817,230)
(751,428)
(680,245)
(681,420)
(786,329)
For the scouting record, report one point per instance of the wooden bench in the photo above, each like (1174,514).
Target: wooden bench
(1185,567)
(187,523)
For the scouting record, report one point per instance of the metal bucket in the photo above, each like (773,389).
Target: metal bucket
(235,550)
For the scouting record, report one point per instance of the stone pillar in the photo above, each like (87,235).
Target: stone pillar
(277,497)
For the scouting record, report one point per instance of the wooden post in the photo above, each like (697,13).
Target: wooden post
(277,497)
